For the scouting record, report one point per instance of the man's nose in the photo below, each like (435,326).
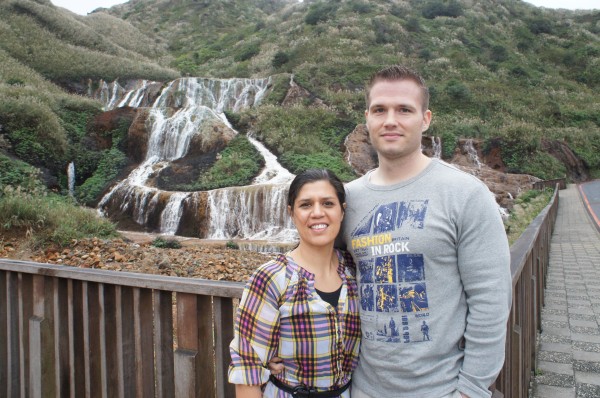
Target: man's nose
(390,117)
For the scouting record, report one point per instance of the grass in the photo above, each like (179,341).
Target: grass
(526,208)
(50,219)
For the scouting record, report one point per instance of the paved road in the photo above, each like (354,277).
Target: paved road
(590,192)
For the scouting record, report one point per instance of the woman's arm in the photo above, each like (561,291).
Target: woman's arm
(243,391)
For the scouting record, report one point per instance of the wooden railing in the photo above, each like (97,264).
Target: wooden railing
(70,332)
(530,256)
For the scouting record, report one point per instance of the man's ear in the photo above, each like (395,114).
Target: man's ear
(426,120)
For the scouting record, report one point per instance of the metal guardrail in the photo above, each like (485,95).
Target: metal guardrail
(71,332)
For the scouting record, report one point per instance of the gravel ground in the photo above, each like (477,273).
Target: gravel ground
(134,253)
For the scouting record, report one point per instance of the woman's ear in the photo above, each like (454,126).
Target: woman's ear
(290,212)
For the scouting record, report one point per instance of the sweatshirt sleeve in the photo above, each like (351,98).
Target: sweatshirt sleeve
(256,336)
(484,266)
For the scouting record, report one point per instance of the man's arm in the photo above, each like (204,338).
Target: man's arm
(484,265)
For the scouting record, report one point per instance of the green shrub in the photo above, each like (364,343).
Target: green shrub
(297,163)
(18,173)
(50,218)
(457,91)
(439,8)
(232,245)
(544,166)
(279,59)
(246,52)
(319,12)
(166,243)
(240,162)
(111,163)
(449,142)
(32,128)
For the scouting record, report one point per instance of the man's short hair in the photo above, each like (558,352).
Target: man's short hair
(394,73)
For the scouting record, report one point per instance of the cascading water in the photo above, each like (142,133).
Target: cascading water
(472,153)
(273,172)
(436,143)
(177,118)
(71,178)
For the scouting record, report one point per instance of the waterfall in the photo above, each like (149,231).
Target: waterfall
(177,117)
(472,153)
(273,172)
(134,98)
(170,216)
(251,212)
(71,179)
(436,143)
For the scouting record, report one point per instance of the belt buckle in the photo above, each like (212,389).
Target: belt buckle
(303,391)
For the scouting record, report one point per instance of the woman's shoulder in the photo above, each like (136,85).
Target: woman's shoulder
(273,267)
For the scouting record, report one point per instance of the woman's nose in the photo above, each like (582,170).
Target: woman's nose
(317,210)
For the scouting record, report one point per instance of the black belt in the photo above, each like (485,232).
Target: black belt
(308,392)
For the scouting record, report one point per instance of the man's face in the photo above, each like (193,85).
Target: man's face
(395,118)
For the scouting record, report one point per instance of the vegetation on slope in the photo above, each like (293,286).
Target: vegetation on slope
(497,69)
(502,71)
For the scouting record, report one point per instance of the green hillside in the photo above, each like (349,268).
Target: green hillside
(499,70)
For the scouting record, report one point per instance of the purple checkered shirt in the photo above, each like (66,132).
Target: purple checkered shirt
(281,314)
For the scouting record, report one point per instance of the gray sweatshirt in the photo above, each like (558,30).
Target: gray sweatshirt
(434,278)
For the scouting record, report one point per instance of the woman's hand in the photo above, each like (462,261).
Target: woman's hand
(276,365)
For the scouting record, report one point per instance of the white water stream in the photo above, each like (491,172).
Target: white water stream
(176,118)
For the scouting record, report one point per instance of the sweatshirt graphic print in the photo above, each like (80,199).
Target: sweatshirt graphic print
(392,280)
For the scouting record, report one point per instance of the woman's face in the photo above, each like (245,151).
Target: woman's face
(317,213)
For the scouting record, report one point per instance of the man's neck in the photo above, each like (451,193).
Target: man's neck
(393,171)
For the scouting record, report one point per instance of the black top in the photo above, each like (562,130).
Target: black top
(331,297)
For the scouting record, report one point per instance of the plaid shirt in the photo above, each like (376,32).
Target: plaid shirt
(281,314)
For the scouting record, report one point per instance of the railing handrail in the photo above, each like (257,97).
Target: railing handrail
(56,316)
(176,284)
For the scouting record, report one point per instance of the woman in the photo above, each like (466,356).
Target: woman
(301,307)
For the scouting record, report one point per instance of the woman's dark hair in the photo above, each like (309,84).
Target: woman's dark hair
(314,175)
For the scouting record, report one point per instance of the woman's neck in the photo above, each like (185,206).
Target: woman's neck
(322,262)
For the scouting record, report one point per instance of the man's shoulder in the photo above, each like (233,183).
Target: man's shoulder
(356,184)
(454,176)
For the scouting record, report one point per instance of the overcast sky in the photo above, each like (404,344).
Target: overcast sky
(85,6)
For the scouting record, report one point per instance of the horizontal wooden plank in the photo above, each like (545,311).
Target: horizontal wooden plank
(132,279)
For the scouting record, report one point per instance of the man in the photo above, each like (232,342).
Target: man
(429,241)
